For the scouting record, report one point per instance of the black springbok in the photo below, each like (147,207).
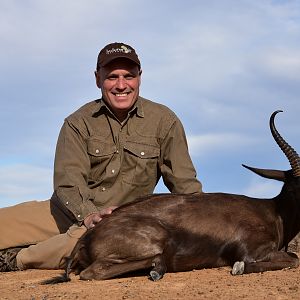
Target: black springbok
(174,232)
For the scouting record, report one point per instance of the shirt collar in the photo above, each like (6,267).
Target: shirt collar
(139,107)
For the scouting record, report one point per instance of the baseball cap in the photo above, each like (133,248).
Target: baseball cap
(116,50)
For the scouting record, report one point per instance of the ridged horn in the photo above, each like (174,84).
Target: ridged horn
(289,152)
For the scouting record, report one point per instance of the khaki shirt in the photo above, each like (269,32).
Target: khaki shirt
(101,162)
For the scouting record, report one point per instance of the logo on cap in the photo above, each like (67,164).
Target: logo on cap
(123,49)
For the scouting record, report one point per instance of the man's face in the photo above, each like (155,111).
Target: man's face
(119,82)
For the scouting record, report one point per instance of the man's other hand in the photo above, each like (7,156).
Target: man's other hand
(91,220)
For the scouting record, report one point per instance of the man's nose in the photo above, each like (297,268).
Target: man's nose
(121,83)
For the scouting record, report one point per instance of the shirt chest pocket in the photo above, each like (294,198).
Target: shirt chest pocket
(140,163)
(100,153)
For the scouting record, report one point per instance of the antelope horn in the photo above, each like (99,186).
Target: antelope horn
(289,152)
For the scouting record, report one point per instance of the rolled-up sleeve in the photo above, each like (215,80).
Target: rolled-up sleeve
(71,168)
(177,169)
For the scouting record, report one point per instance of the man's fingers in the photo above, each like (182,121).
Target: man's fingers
(108,210)
(97,219)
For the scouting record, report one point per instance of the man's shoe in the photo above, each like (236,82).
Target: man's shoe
(8,261)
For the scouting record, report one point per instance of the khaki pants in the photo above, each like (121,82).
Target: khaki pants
(44,228)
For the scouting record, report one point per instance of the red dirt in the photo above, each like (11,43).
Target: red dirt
(201,284)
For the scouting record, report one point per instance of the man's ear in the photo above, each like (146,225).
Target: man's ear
(140,73)
(97,77)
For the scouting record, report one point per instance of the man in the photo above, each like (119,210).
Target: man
(109,152)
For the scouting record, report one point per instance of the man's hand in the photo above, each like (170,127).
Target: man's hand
(91,220)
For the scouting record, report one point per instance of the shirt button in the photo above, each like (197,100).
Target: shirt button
(142,153)
(79,216)
(117,151)
(67,202)
(113,171)
(97,151)
(103,189)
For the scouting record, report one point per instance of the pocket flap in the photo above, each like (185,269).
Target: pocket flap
(98,147)
(142,150)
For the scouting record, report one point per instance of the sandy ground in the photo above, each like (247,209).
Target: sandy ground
(200,284)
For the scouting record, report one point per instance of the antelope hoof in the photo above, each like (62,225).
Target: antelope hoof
(155,276)
(238,268)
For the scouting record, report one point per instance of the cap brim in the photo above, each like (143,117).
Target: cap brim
(119,56)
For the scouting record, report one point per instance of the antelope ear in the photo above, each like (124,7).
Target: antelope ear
(271,174)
